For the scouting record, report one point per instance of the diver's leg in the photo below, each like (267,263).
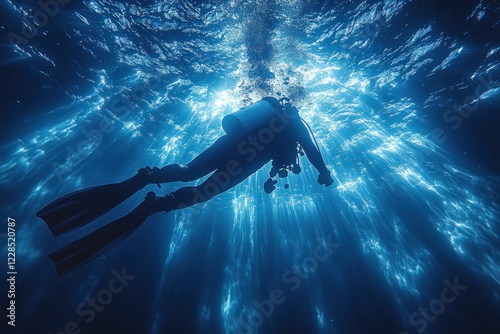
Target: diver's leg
(220,181)
(206,162)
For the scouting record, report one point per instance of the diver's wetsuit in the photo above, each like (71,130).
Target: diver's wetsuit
(231,159)
(234,158)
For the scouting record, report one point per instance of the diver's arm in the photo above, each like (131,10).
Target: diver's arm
(313,154)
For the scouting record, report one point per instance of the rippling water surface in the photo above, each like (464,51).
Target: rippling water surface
(402,96)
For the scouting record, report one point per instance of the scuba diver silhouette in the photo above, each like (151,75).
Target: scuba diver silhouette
(268,130)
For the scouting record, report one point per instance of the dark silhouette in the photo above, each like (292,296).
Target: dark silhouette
(269,130)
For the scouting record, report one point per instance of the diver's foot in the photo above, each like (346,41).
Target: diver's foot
(150,197)
(148,175)
(163,204)
(147,206)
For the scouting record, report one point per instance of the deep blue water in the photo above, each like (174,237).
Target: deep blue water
(402,96)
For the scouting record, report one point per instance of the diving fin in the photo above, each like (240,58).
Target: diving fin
(89,247)
(83,206)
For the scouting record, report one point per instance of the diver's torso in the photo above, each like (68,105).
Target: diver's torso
(276,140)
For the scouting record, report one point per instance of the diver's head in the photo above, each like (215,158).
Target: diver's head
(288,109)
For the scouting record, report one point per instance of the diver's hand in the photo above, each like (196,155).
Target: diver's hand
(151,175)
(269,185)
(325,178)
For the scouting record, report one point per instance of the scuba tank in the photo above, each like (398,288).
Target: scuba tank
(251,117)
(257,114)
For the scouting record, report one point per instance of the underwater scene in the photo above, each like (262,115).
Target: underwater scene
(264,167)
